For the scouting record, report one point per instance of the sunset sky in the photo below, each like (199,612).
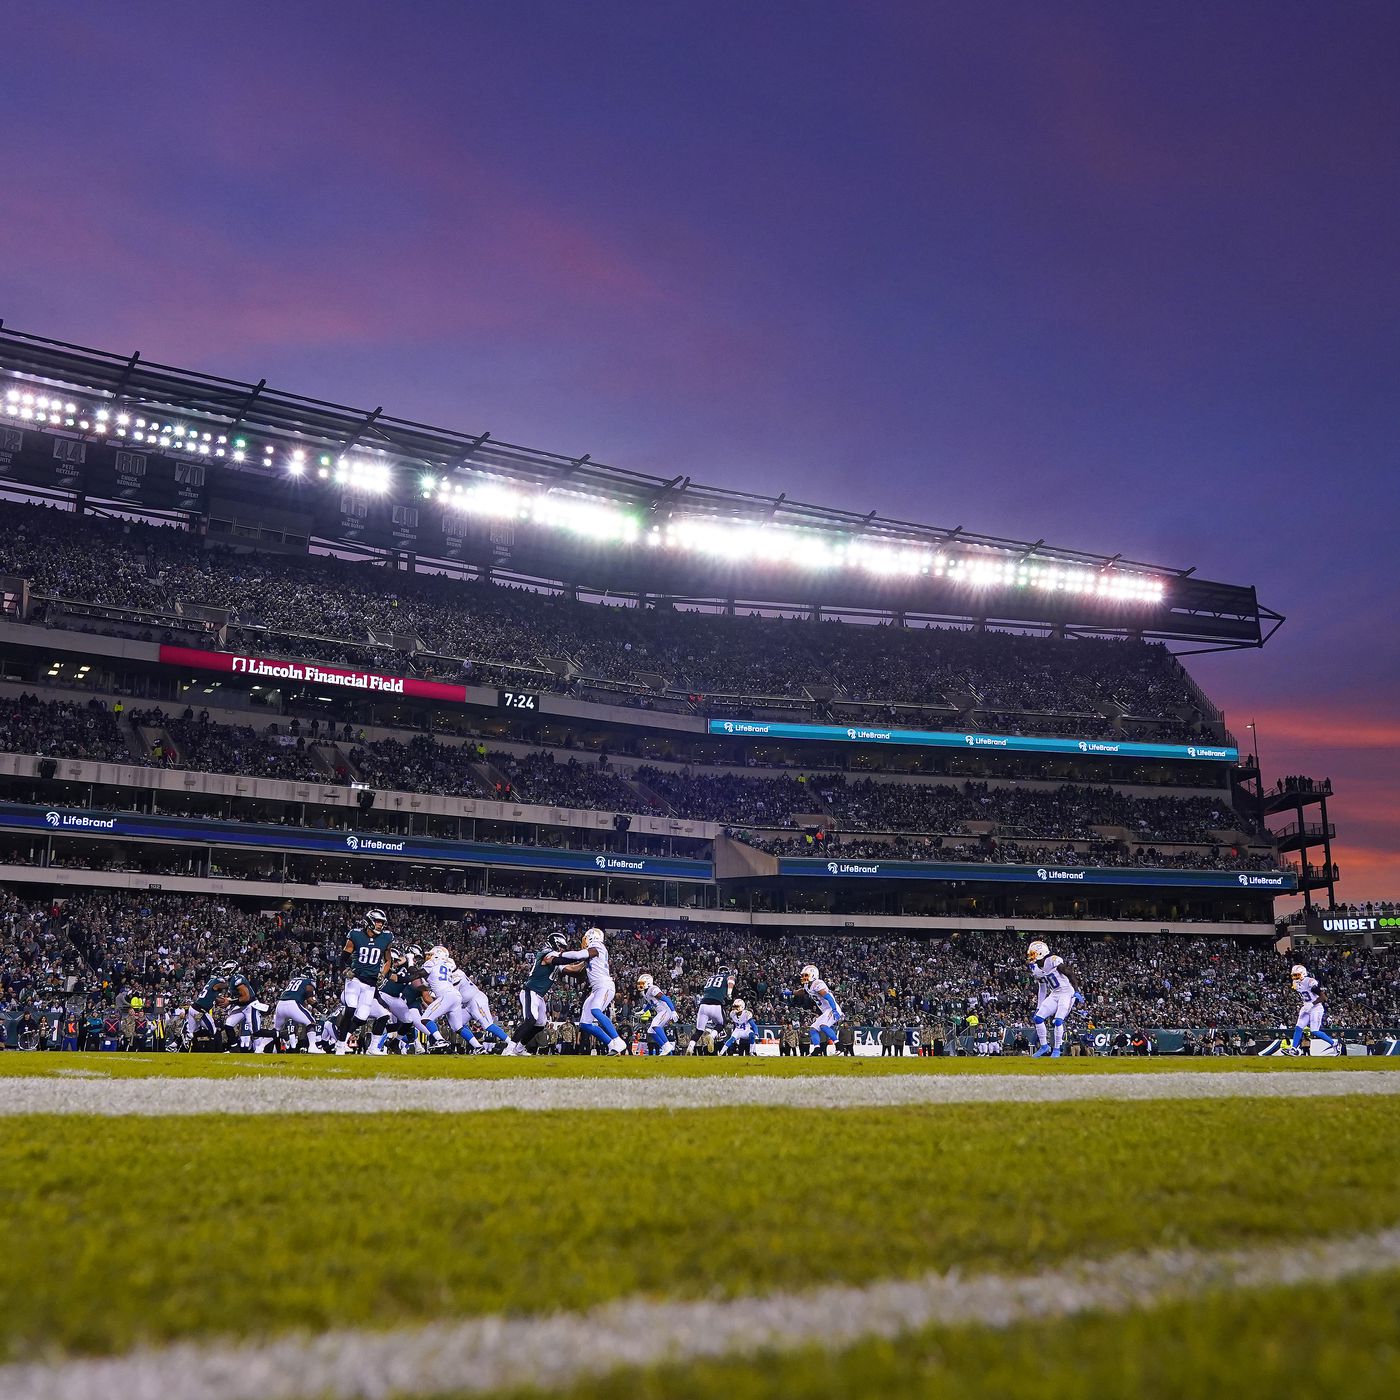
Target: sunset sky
(1120,276)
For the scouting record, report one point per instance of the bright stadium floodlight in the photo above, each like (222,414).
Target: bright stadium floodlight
(360,475)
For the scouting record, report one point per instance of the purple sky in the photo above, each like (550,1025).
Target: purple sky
(1122,276)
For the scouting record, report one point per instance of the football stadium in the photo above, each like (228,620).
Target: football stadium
(478,920)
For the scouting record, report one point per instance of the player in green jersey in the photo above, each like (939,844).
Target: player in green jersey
(534,1009)
(294,1009)
(367,955)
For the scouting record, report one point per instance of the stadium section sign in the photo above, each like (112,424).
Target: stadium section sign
(1275,881)
(311,673)
(939,739)
(361,844)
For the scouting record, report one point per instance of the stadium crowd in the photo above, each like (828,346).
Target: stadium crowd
(61,729)
(328,608)
(741,801)
(137,957)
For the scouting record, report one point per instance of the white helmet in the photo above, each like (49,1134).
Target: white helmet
(1299,972)
(809,974)
(738,1008)
(438,953)
(593,938)
(645,982)
(1037,951)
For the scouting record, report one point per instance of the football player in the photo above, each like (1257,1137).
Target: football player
(709,1013)
(201,1012)
(1310,1013)
(534,1011)
(246,1017)
(292,1010)
(476,1007)
(405,992)
(1055,997)
(823,1029)
(743,1031)
(367,952)
(593,1018)
(663,1014)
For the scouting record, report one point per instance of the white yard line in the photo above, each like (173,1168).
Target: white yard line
(494,1353)
(164,1097)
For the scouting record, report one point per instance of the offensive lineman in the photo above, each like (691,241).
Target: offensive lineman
(829,1015)
(246,1016)
(404,991)
(534,1012)
(663,1013)
(201,1010)
(367,950)
(593,1019)
(1310,1013)
(1055,997)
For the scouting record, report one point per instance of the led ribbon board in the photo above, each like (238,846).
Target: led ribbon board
(1058,876)
(266,668)
(64,821)
(941,739)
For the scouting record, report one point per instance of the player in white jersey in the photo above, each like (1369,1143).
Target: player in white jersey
(593,1019)
(1310,1013)
(823,1029)
(1055,997)
(445,1002)
(743,1031)
(476,1007)
(663,1013)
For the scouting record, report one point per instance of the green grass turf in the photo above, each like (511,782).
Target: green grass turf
(1274,1342)
(641,1067)
(127,1229)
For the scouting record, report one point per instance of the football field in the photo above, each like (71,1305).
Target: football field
(203,1226)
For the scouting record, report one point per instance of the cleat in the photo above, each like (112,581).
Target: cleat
(1037,1054)
(1055,1053)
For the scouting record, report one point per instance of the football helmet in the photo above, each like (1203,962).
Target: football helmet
(229,967)
(414,954)
(1299,972)
(645,982)
(593,938)
(558,942)
(438,953)
(376,918)
(809,974)
(1037,951)
(738,1008)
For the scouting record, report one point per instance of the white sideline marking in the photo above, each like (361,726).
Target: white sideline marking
(166,1097)
(551,1352)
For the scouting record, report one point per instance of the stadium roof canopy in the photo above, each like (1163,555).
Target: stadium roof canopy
(259,462)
